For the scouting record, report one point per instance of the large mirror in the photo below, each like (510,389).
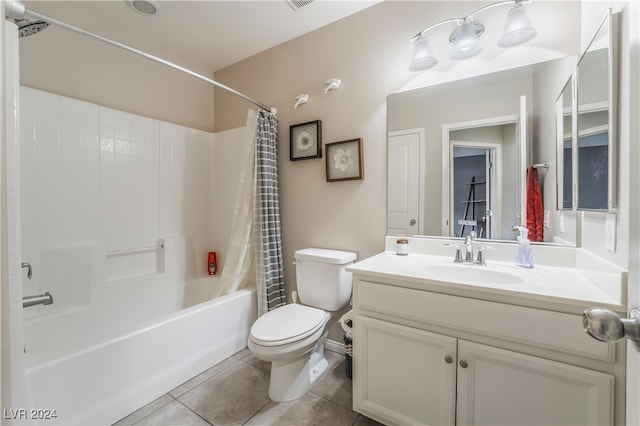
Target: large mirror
(596,142)
(458,151)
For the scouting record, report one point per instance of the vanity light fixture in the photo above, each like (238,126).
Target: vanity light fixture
(465,37)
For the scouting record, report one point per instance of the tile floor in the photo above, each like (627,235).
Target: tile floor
(234,392)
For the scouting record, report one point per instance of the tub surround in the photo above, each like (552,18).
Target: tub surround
(457,343)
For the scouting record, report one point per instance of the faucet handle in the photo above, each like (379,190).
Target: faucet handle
(458,252)
(480,260)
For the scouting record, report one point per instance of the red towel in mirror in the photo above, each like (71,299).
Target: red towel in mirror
(535,209)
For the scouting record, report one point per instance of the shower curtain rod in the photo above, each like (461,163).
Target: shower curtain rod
(73,28)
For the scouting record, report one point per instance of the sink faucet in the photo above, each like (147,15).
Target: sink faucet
(468,251)
(468,245)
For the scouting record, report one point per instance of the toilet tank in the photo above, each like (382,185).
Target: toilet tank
(322,279)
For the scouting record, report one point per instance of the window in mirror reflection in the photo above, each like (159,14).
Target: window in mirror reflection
(593,164)
(567,179)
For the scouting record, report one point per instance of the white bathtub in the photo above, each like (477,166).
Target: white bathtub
(103,382)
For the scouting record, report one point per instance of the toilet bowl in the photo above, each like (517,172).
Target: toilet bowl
(292,336)
(294,348)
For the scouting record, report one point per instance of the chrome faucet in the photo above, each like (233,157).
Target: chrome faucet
(468,246)
(29,270)
(41,299)
(468,251)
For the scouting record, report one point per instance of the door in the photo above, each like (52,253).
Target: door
(501,387)
(473,186)
(403,375)
(404,182)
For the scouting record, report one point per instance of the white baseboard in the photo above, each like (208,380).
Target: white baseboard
(333,346)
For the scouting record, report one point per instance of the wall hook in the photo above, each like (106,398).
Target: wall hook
(331,84)
(301,99)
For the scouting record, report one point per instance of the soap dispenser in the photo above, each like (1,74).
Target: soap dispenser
(524,257)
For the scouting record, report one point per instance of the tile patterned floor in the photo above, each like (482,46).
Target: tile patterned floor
(234,392)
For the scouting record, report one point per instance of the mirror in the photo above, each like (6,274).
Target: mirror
(419,171)
(596,142)
(564,140)
(479,169)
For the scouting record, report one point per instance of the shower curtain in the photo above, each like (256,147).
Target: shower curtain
(268,235)
(255,247)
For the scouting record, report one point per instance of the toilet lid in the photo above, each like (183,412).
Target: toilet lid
(286,324)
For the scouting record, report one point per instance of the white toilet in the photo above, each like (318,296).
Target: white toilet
(292,336)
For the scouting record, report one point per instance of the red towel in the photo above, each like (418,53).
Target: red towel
(535,209)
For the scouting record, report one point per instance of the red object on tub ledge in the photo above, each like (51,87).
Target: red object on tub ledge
(212,263)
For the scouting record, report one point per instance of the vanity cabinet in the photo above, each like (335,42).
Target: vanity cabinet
(429,358)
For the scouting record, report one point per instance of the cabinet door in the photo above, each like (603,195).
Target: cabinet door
(403,375)
(500,387)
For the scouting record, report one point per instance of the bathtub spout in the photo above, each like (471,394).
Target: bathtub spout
(41,299)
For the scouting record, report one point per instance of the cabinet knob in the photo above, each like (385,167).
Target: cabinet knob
(463,363)
(448,359)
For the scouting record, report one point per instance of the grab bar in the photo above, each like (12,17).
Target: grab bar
(125,252)
(41,299)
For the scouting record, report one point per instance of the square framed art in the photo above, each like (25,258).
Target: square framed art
(344,160)
(305,140)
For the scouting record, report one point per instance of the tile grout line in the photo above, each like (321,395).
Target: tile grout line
(188,408)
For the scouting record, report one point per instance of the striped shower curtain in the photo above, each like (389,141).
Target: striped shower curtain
(268,256)
(254,252)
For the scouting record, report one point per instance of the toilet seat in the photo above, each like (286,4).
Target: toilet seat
(287,324)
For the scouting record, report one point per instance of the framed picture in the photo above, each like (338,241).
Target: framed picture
(344,160)
(305,141)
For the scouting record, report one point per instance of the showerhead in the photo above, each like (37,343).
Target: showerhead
(27,28)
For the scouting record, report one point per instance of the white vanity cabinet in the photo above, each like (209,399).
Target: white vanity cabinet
(423,357)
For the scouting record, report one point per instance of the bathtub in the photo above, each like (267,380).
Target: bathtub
(102,382)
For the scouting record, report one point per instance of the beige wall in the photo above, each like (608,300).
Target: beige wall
(370,52)
(65,63)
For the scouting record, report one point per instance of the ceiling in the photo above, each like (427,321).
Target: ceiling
(212,34)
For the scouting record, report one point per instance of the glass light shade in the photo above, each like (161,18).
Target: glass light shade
(518,28)
(423,58)
(465,42)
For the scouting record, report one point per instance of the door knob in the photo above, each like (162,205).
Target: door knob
(412,222)
(607,326)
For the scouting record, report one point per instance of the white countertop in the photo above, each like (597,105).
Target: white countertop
(568,289)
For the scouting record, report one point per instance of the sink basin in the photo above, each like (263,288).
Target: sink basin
(471,274)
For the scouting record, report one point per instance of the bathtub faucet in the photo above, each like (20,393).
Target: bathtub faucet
(41,299)
(29,270)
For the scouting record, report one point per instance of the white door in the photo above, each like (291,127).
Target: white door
(403,375)
(404,194)
(500,387)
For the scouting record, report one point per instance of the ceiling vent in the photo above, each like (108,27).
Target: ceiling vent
(298,4)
